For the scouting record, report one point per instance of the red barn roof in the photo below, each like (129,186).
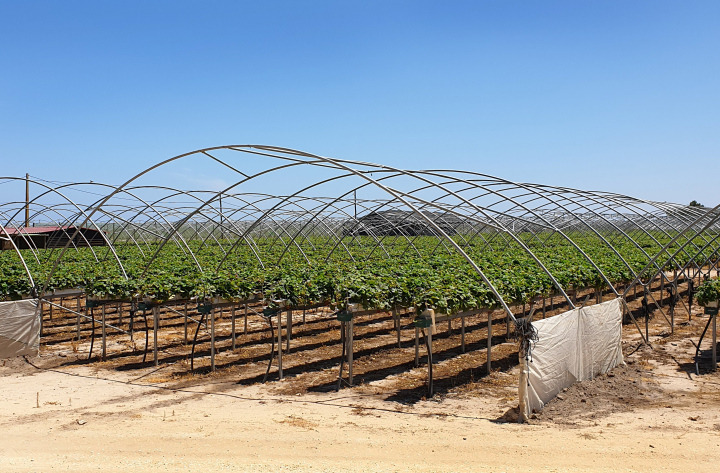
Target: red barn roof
(38,230)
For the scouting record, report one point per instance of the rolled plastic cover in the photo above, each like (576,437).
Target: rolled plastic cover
(19,328)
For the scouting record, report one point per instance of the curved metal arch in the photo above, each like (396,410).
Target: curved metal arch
(212,199)
(22,260)
(429,221)
(77,229)
(559,231)
(669,244)
(512,235)
(148,205)
(292,222)
(60,226)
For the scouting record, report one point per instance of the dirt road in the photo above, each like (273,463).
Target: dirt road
(86,418)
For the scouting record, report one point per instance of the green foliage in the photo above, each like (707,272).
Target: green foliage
(425,276)
(708,291)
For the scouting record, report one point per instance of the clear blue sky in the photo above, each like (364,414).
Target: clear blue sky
(611,95)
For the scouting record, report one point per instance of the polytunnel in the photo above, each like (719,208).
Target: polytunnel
(284,230)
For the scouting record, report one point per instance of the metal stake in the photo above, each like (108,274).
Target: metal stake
(489,344)
(714,343)
(104,337)
(185,324)
(289,329)
(279,344)
(156,324)
(232,316)
(396,319)
(212,339)
(417,347)
(350,340)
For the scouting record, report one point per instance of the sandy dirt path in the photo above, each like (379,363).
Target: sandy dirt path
(90,419)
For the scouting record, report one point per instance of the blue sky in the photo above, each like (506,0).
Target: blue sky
(619,96)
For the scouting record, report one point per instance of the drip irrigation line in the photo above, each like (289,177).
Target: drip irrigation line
(92,336)
(697,348)
(272,347)
(192,352)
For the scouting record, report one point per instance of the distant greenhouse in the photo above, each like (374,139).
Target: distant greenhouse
(404,222)
(49,237)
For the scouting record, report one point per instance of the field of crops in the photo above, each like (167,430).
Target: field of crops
(423,274)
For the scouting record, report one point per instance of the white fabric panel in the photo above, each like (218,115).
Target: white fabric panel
(19,328)
(601,347)
(573,346)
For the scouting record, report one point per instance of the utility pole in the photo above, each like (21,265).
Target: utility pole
(27,200)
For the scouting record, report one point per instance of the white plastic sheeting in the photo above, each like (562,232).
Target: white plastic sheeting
(19,328)
(574,346)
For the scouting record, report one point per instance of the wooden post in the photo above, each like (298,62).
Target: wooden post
(245,331)
(212,339)
(462,333)
(27,200)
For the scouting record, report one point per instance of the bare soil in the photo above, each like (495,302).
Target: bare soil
(64,412)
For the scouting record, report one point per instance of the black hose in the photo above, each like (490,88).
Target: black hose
(192,352)
(92,337)
(430,362)
(697,349)
(131,326)
(272,348)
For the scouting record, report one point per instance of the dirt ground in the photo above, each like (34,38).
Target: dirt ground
(60,412)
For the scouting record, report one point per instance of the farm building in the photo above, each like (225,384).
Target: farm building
(50,237)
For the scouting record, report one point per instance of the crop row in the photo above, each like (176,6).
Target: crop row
(424,275)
